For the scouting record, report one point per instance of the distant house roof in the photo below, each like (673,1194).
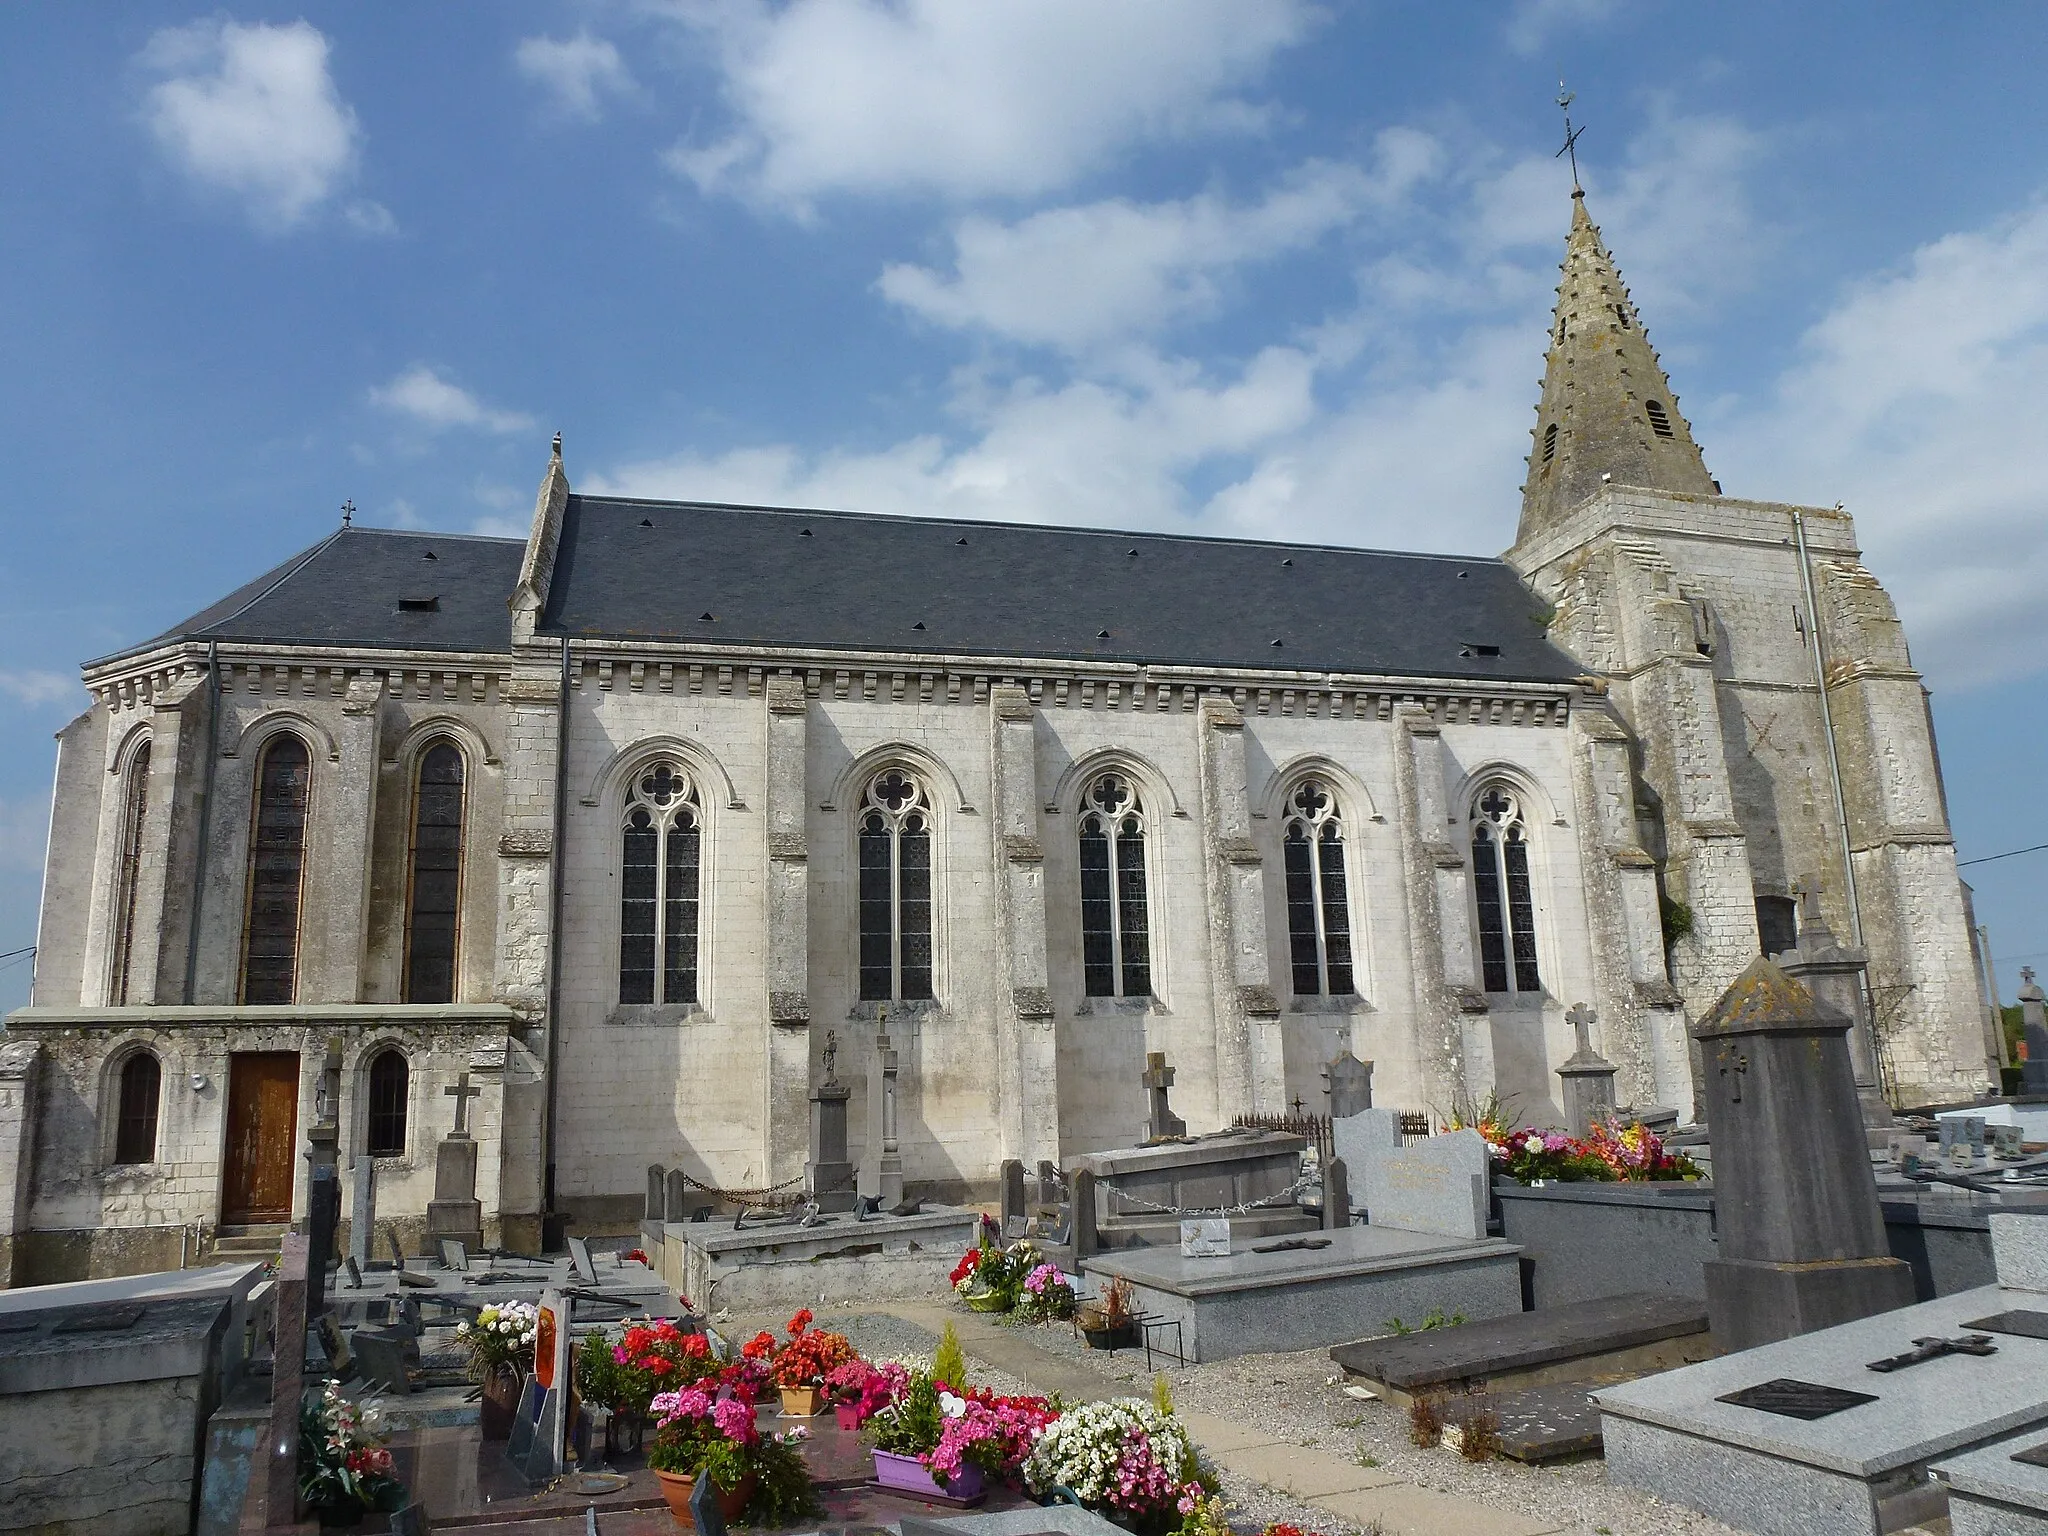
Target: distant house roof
(831,581)
(372,587)
(837,581)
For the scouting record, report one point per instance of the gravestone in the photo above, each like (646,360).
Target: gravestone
(1082,1209)
(881,1164)
(455,1210)
(657,1194)
(1348,1081)
(323,1198)
(1162,1124)
(380,1361)
(580,1266)
(830,1176)
(287,1382)
(1436,1185)
(454,1256)
(1363,1138)
(2034,1033)
(1012,1173)
(1834,974)
(1588,1077)
(1336,1194)
(362,1216)
(1962,1139)
(678,1194)
(1801,1236)
(540,1454)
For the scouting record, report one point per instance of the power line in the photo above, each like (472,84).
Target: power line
(28,949)
(1993,858)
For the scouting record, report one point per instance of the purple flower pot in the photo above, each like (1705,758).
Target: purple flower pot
(906,1474)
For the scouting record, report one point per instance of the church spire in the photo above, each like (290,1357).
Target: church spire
(1607,412)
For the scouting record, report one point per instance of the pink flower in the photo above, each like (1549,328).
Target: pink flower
(735,1420)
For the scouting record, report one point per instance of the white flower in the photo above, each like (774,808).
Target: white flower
(952,1407)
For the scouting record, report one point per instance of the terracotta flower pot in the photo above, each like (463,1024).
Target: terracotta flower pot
(676,1487)
(499,1405)
(800,1402)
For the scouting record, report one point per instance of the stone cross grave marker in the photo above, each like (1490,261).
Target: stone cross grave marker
(1349,1082)
(1158,1079)
(462,1091)
(2034,1028)
(1588,1077)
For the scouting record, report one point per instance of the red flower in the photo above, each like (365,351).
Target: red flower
(760,1347)
(966,1265)
(696,1346)
(799,1323)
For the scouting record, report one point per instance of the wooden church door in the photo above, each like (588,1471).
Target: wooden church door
(263,1120)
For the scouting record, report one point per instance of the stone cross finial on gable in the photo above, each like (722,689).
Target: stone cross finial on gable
(462,1091)
(2027,974)
(1581,1020)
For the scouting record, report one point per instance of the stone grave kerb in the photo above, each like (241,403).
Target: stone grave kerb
(1588,1077)
(2034,1031)
(1801,1235)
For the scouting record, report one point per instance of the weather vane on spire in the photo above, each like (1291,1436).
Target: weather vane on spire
(1565,99)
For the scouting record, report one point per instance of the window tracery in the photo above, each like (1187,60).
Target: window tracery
(1116,952)
(1502,893)
(1318,906)
(895,891)
(434,896)
(128,877)
(659,908)
(277,857)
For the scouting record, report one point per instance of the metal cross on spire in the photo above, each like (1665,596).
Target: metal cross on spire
(348,513)
(1565,99)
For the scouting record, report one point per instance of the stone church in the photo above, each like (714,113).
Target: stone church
(623,826)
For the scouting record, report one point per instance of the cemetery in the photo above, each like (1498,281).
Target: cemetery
(1844,1328)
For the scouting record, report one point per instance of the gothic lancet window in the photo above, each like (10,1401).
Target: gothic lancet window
(662,842)
(895,890)
(435,895)
(277,861)
(390,1081)
(1500,882)
(135,1123)
(1116,946)
(1659,422)
(128,879)
(1318,912)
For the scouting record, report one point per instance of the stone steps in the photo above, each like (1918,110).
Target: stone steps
(248,1242)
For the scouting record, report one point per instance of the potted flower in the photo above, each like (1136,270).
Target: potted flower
(858,1390)
(988,1278)
(499,1343)
(344,1469)
(1111,1322)
(799,1366)
(709,1431)
(935,1442)
(1125,1459)
(1046,1295)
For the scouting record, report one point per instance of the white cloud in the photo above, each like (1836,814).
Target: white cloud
(252,111)
(1912,401)
(1533,23)
(430,400)
(576,71)
(39,688)
(1145,263)
(996,97)
(366,217)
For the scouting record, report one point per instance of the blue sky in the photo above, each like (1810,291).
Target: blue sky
(1248,266)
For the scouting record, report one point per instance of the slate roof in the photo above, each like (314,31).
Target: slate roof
(839,581)
(346,591)
(845,581)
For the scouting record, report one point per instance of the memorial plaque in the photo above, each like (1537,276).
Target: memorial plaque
(2028,1325)
(1927,1349)
(1206,1237)
(1792,1399)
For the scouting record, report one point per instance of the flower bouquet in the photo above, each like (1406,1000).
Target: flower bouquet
(499,1344)
(989,1278)
(709,1431)
(1045,1296)
(1632,1153)
(1124,1459)
(1111,1322)
(344,1469)
(800,1366)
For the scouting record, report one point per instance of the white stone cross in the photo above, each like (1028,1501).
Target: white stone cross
(462,1092)
(1581,1020)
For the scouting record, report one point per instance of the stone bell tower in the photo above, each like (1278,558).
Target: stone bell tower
(1780,736)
